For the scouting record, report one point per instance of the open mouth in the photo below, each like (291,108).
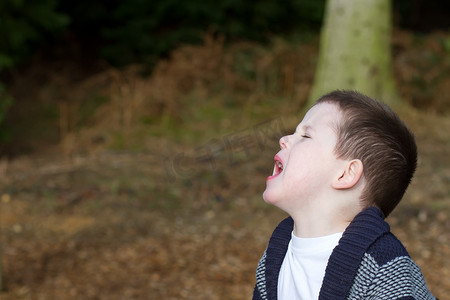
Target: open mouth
(277,168)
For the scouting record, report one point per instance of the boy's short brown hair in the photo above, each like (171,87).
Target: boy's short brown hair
(370,131)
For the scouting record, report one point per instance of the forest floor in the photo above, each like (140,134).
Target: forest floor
(182,217)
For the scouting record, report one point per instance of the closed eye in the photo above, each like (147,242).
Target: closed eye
(306,136)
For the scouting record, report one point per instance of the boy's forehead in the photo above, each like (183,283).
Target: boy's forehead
(302,127)
(322,113)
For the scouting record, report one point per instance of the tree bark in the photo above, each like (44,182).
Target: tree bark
(355,50)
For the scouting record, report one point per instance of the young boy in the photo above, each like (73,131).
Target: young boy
(338,176)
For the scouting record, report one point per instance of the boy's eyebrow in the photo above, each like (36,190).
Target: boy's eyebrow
(304,127)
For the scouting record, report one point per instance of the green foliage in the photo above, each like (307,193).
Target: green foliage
(145,31)
(5,103)
(23,24)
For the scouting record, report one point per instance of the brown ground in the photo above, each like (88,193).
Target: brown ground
(166,221)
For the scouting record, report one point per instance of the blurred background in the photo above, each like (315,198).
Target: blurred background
(136,136)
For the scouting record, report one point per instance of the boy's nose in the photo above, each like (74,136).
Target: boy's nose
(283,142)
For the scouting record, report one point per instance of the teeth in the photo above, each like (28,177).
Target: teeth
(277,168)
(280,165)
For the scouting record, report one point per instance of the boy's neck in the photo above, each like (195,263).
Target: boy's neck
(315,227)
(327,220)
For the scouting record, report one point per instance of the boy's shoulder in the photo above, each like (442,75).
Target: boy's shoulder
(370,234)
(369,252)
(388,263)
(386,248)
(382,244)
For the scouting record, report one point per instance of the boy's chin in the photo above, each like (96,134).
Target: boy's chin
(268,197)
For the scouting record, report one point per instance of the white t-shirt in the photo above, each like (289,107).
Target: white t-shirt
(301,274)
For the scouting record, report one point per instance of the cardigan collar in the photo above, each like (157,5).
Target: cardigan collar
(276,251)
(344,261)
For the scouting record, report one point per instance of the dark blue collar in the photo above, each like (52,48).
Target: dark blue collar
(345,259)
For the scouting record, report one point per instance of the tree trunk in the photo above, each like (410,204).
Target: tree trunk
(355,50)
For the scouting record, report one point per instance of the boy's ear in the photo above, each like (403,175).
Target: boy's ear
(349,175)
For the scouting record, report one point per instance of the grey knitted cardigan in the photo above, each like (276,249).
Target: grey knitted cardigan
(368,263)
